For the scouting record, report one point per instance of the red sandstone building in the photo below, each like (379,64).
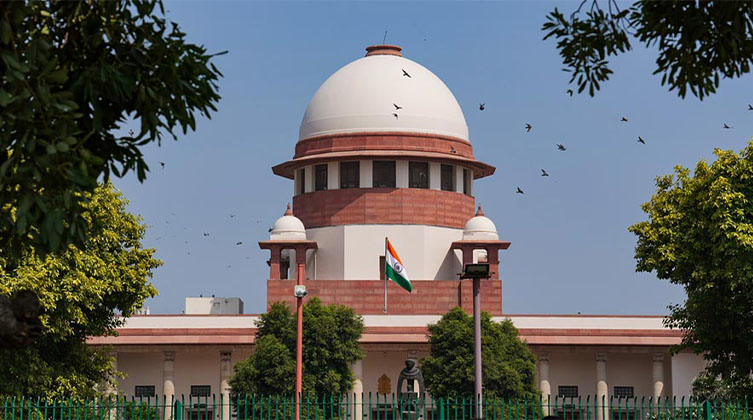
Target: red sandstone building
(384,151)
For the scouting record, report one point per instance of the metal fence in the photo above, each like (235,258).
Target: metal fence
(369,406)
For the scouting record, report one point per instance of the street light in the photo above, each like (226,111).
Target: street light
(476,272)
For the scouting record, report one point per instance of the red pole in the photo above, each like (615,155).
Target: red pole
(301,273)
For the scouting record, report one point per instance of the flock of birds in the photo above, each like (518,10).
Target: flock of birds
(204,234)
(561,147)
(529,127)
(482,106)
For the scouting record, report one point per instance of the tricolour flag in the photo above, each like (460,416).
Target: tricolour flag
(394,268)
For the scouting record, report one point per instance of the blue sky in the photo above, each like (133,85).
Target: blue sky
(570,252)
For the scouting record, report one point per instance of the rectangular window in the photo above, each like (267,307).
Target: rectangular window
(350,175)
(466,182)
(624,392)
(144,391)
(383,174)
(418,174)
(448,177)
(320,177)
(301,181)
(200,411)
(201,390)
(567,391)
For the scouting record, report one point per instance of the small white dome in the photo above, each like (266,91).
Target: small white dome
(480,227)
(361,97)
(288,227)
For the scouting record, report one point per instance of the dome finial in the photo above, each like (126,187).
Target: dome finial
(479,212)
(288,211)
(383,50)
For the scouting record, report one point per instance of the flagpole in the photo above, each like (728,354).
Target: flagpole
(385,274)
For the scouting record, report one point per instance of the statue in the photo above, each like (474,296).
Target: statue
(410,400)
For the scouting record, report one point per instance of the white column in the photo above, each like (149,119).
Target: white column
(657,374)
(459,178)
(365,174)
(309,178)
(435,176)
(357,368)
(544,386)
(602,389)
(333,175)
(225,373)
(168,376)
(111,390)
(401,178)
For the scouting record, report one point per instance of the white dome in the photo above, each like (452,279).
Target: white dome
(288,227)
(360,96)
(480,227)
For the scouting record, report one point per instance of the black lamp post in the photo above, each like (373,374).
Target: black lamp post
(477,272)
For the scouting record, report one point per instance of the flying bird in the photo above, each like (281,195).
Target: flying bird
(232,215)
(452,150)
(270,230)
(131,133)
(726,126)
(570,92)
(528,127)
(394,114)
(543,173)
(239,243)
(519,191)
(397,107)
(162,164)
(206,234)
(750,107)
(481,106)
(561,147)
(405,73)
(623,119)
(640,140)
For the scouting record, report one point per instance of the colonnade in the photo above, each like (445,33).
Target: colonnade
(600,379)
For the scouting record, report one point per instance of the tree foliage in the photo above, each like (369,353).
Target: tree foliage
(699,42)
(73,73)
(509,366)
(83,291)
(699,234)
(330,346)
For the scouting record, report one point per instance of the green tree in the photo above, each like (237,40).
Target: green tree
(330,346)
(73,74)
(698,42)
(699,234)
(83,292)
(509,366)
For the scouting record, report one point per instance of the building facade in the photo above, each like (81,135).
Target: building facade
(384,151)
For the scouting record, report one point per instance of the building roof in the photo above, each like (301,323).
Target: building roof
(361,97)
(535,329)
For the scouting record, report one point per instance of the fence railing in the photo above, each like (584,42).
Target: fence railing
(369,407)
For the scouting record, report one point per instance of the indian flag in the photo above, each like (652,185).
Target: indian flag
(395,270)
